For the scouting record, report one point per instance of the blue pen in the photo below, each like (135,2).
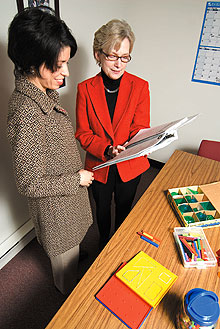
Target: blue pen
(149,241)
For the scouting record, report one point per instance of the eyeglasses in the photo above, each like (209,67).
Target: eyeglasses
(112,58)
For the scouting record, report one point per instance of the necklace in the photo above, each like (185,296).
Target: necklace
(111,91)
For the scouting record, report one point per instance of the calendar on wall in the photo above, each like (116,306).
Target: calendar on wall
(207,63)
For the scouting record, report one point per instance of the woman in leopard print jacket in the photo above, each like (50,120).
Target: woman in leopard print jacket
(47,165)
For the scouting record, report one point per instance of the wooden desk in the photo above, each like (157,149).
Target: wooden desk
(154,214)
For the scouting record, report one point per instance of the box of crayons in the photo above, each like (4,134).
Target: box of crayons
(194,248)
(196,205)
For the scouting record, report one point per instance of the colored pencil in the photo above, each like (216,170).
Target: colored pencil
(149,236)
(149,241)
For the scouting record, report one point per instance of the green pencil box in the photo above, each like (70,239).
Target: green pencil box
(197,205)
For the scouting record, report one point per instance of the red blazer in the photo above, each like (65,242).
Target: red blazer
(94,128)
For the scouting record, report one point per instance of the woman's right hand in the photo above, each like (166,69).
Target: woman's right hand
(86,177)
(115,150)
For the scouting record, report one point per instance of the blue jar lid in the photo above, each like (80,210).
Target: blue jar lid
(202,306)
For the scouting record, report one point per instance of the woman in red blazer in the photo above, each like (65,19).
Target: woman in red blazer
(110,109)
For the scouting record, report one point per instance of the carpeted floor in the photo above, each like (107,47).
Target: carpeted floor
(28,298)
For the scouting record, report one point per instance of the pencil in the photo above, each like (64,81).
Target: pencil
(183,240)
(150,236)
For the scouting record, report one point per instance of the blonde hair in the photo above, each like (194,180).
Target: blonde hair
(110,36)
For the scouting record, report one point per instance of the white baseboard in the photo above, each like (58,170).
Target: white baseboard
(16,242)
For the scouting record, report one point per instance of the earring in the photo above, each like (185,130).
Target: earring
(32,71)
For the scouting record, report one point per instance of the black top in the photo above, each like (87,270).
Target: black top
(111,98)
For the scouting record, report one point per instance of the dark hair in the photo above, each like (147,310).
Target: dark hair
(36,37)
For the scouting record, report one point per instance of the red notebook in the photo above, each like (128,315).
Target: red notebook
(125,304)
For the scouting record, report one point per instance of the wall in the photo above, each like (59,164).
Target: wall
(167,35)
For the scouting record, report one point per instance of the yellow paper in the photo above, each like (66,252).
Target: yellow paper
(149,279)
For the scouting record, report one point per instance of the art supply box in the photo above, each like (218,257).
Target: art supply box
(197,205)
(197,251)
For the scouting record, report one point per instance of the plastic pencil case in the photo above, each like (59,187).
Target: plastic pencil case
(200,258)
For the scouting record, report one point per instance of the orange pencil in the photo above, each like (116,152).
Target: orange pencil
(145,236)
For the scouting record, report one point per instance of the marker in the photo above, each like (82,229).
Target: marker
(183,240)
(190,238)
(187,257)
(186,250)
(196,249)
(199,245)
(203,252)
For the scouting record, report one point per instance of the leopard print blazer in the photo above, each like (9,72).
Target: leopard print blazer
(46,166)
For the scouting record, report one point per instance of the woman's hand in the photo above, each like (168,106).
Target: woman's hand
(86,177)
(115,150)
